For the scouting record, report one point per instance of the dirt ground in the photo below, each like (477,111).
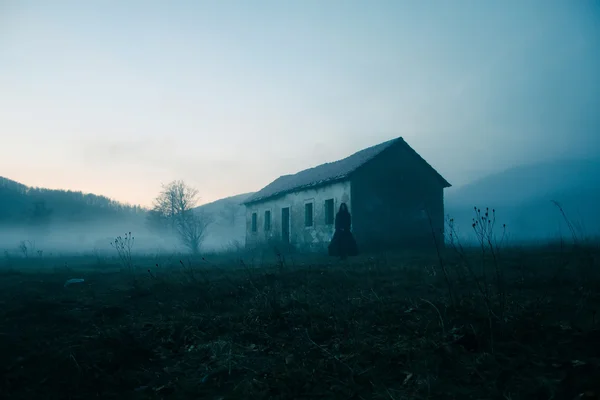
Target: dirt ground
(385,326)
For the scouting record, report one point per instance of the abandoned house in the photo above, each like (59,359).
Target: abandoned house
(395,197)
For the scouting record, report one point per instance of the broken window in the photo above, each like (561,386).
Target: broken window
(254,225)
(329,212)
(267,220)
(308,214)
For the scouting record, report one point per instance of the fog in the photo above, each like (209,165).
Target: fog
(549,201)
(99,238)
(533,203)
(96,238)
(41,222)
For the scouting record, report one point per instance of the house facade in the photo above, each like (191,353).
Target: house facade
(395,197)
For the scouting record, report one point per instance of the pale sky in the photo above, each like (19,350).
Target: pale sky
(117,97)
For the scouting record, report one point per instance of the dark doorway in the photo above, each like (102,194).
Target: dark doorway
(285,225)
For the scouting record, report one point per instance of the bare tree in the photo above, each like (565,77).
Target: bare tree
(192,229)
(174,210)
(175,199)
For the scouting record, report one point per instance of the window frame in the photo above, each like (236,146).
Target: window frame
(270,227)
(254,222)
(332,200)
(280,233)
(312,212)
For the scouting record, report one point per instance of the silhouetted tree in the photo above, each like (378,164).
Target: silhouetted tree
(174,210)
(191,229)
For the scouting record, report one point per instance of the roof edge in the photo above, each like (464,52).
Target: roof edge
(348,175)
(443,180)
(400,141)
(296,189)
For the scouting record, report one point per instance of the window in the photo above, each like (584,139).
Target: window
(254,222)
(308,214)
(329,214)
(267,220)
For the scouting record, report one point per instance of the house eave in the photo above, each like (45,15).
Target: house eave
(314,185)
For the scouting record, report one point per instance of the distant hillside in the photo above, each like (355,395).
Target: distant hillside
(67,220)
(60,220)
(21,204)
(523,195)
(229,226)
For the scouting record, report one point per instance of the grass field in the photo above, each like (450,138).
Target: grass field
(521,325)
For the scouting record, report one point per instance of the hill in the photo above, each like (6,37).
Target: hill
(523,197)
(68,220)
(73,219)
(20,204)
(229,226)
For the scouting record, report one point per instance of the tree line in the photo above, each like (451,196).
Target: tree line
(172,213)
(20,204)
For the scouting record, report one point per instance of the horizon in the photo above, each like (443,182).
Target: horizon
(116,100)
(452,188)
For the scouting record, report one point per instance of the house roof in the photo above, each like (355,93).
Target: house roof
(329,173)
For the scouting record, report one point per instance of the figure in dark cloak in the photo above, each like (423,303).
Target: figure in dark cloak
(343,244)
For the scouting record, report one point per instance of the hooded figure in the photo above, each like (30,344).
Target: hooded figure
(343,243)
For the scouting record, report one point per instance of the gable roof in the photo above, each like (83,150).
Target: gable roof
(329,172)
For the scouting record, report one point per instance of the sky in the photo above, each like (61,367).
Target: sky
(117,97)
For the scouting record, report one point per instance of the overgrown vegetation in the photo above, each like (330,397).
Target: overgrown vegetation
(124,246)
(483,322)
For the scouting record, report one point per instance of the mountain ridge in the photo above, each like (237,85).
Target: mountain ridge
(534,179)
(523,197)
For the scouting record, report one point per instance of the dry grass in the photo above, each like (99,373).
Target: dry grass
(376,327)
